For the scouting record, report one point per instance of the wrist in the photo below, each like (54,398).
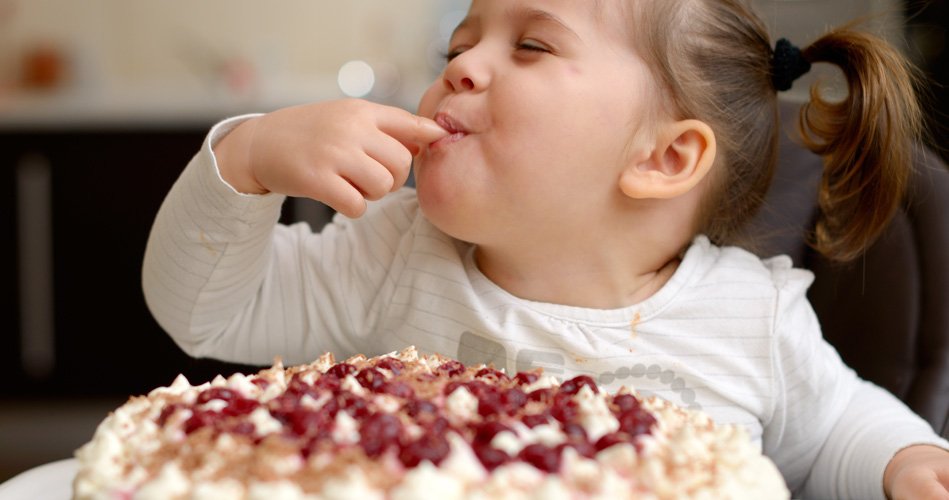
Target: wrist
(232,154)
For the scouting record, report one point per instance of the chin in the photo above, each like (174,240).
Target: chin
(437,189)
(435,205)
(445,212)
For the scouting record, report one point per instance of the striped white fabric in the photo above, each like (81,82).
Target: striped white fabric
(729,334)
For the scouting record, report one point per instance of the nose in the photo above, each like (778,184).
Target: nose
(465,84)
(467,72)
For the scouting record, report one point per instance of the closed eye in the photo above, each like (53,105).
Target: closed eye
(531,46)
(453,53)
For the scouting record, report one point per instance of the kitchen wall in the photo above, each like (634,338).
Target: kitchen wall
(229,52)
(187,57)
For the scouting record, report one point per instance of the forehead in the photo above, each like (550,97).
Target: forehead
(604,17)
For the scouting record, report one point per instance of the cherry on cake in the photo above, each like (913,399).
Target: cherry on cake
(409,426)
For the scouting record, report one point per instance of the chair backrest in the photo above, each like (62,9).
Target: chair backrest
(887,313)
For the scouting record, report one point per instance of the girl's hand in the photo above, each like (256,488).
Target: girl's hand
(338,152)
(919,472)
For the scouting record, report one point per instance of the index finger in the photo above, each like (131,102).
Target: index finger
(409,129)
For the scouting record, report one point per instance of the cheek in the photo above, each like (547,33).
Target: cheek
(429,102)
(571,130)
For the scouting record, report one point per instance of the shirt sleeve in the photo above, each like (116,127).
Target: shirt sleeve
(831,434)
(225,280)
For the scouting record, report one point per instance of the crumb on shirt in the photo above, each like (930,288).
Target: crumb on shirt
(632,324)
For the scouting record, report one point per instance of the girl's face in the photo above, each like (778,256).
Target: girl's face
(546,102)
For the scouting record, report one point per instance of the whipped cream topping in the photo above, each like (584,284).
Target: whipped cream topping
(404,426)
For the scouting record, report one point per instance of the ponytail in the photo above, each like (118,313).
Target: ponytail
(720,68)
(866,140)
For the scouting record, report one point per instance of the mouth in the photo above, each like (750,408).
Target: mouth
(456,131)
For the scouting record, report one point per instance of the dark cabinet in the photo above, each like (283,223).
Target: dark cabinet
(73,316)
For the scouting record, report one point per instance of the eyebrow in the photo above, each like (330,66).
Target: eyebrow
(530,15)
(467,22)
(525,15)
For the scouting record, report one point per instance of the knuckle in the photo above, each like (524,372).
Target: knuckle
(380,188)
(353,207)
(417,121)
(405,159)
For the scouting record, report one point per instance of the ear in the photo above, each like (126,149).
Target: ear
(681,157)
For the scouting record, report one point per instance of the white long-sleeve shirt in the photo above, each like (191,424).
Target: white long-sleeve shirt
(729,334)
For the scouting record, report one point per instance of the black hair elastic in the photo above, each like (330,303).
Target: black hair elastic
(787,65)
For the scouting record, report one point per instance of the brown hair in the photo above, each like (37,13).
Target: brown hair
(716,67)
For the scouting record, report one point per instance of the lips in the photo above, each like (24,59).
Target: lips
(445,121)
(455,129)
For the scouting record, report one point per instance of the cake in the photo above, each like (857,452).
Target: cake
(410,426)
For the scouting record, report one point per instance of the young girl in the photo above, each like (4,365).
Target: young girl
(580,169)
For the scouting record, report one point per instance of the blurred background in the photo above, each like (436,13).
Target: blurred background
(103,102)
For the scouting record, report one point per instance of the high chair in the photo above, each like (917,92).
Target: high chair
(887,313)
